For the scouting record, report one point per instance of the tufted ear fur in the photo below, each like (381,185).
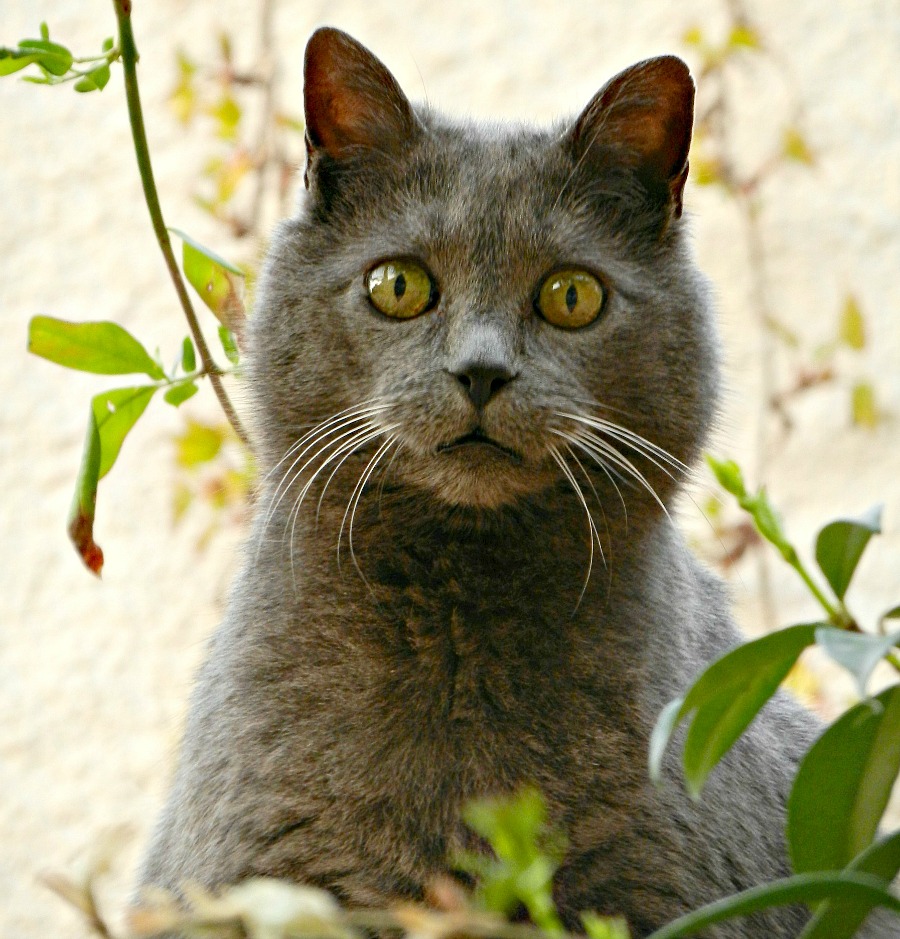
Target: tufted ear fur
(646,112)
(352,101)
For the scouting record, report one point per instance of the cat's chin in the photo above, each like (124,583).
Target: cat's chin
(480,477)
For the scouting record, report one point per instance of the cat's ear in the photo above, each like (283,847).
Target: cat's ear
(645,114)
(352,101)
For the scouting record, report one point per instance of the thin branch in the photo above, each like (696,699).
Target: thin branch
(136,119)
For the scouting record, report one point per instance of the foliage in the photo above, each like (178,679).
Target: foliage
(843,784)
(106,348)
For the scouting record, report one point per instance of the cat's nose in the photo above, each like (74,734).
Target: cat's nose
(482,382)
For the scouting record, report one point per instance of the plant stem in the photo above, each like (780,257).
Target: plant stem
(136,119)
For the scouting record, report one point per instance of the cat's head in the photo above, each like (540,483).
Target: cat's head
(485,308)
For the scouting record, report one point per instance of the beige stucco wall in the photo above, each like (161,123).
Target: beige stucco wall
(93,675)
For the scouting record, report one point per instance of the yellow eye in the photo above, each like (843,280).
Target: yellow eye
(571,298)
(401,289)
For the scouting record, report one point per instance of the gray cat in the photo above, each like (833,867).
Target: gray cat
(481,363)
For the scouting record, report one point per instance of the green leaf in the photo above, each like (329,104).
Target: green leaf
(45,31)
(852,327)
(188,358)
(94,80)
(103,348)
(116,412)
(693,36)
(229,346)
(12,60)
(84,505)
(219,283)
(840,919)
(804,888)
(863,406)
(51,55)
(859,653)
(604,927)
(728,474)
(108,43)
(843,784)
(840,545)
(180,393)
(727,697)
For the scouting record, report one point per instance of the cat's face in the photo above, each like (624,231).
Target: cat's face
(470,304)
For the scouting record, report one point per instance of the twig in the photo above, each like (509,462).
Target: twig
(151,197)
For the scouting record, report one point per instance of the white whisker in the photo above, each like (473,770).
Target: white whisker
(592,528)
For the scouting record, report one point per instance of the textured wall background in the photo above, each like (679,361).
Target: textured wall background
(94,675)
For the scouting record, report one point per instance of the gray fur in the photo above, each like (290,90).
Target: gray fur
(349,705)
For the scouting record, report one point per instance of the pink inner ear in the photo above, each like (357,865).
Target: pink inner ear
(352,101)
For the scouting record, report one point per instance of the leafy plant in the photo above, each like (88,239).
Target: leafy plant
(842,787)
(104,347)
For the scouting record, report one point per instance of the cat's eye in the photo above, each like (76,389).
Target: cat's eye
(401,289)
(570,298)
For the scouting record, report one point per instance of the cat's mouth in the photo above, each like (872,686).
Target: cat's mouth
(478,438)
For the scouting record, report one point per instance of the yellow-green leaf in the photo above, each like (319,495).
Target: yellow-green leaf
(743,37)
(852,327)
(116,412)
(693,36)
(218,282)
(864,407)
(198,444)
(103,348)
(794,147)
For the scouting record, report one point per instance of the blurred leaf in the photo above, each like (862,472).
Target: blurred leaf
(11,60)
(51,55)
(893,613)
(803,888)
(706,172)
(95,80)
(289,122)
(188,358)
(840,919)
(794,147)
(743,37)
(103,348)
(198,444)
(859,653)
(604,927)
(229,346)
(693,36)
(527,853)
(843,784)
(728,474)
(852,328)
(180,393)
(84,504)
(218,282)
(115,413)
(183,97)
(864,408)
(108,43)
(227,114)
(840,545)
(45,31)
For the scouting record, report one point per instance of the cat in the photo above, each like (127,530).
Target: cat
(482,363)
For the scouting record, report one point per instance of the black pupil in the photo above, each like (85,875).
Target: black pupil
(571,297)
(399,286)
